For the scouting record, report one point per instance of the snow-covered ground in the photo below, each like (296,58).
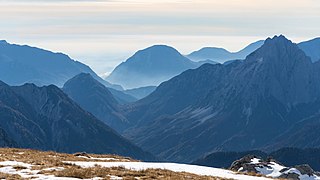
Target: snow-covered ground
(199,170)
(28,173)
(275,170)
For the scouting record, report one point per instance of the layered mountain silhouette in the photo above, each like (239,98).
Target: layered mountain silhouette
(238,106)
(94,97)
(150,67)
(141,92)
(25,64)
(221,55)
(46,118)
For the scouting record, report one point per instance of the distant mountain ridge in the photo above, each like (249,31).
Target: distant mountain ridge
(141,92)
(221,55)
(21,64)
(310,47)
(150,67)
(239,106)
(45,118)
(25,64)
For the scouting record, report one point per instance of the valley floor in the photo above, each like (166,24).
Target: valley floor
(32,164)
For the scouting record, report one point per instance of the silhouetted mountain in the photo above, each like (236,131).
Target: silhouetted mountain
(141,92)
(288,156)
(311,48)
(122,97)
(25,64)
(45,118)
(150,67)
(235,107)
(95,98)
(221,55)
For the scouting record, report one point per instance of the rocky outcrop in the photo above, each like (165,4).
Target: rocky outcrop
(273,168)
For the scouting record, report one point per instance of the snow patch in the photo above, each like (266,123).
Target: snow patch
(194,169)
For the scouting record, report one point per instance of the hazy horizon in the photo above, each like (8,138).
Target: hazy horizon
(103,33)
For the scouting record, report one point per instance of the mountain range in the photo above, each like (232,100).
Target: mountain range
(150,67)
(239,106)
(221,55)
(25,64)
(266,101)
(159,63)
(45,118)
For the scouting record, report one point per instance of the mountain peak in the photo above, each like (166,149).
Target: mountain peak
(84,79)
(84,75)
(159,49)
(3,42)
(278,48)
(280,38)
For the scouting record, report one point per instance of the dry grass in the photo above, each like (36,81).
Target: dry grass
(10,176)
(48,159)
(98,171)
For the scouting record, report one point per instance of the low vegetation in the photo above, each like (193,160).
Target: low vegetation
(52,163)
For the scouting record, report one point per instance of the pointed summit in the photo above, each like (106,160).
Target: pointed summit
(278,49)
(94,97)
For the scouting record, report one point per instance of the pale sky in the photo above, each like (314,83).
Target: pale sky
(102,33)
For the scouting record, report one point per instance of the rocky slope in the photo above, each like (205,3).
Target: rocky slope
(95,98)
(238,106)
(46,118)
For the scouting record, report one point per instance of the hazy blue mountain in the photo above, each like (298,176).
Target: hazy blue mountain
(311,48)
(46,118)
(141,92)
(150,67)
(239,106)
(95,98)
(287,156)
(122,97)
(221,55)
(25,64)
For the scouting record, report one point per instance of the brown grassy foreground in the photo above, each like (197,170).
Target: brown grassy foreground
(42,160)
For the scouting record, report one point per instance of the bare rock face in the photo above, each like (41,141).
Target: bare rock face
(238,106)
(46,118)
(273,168)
